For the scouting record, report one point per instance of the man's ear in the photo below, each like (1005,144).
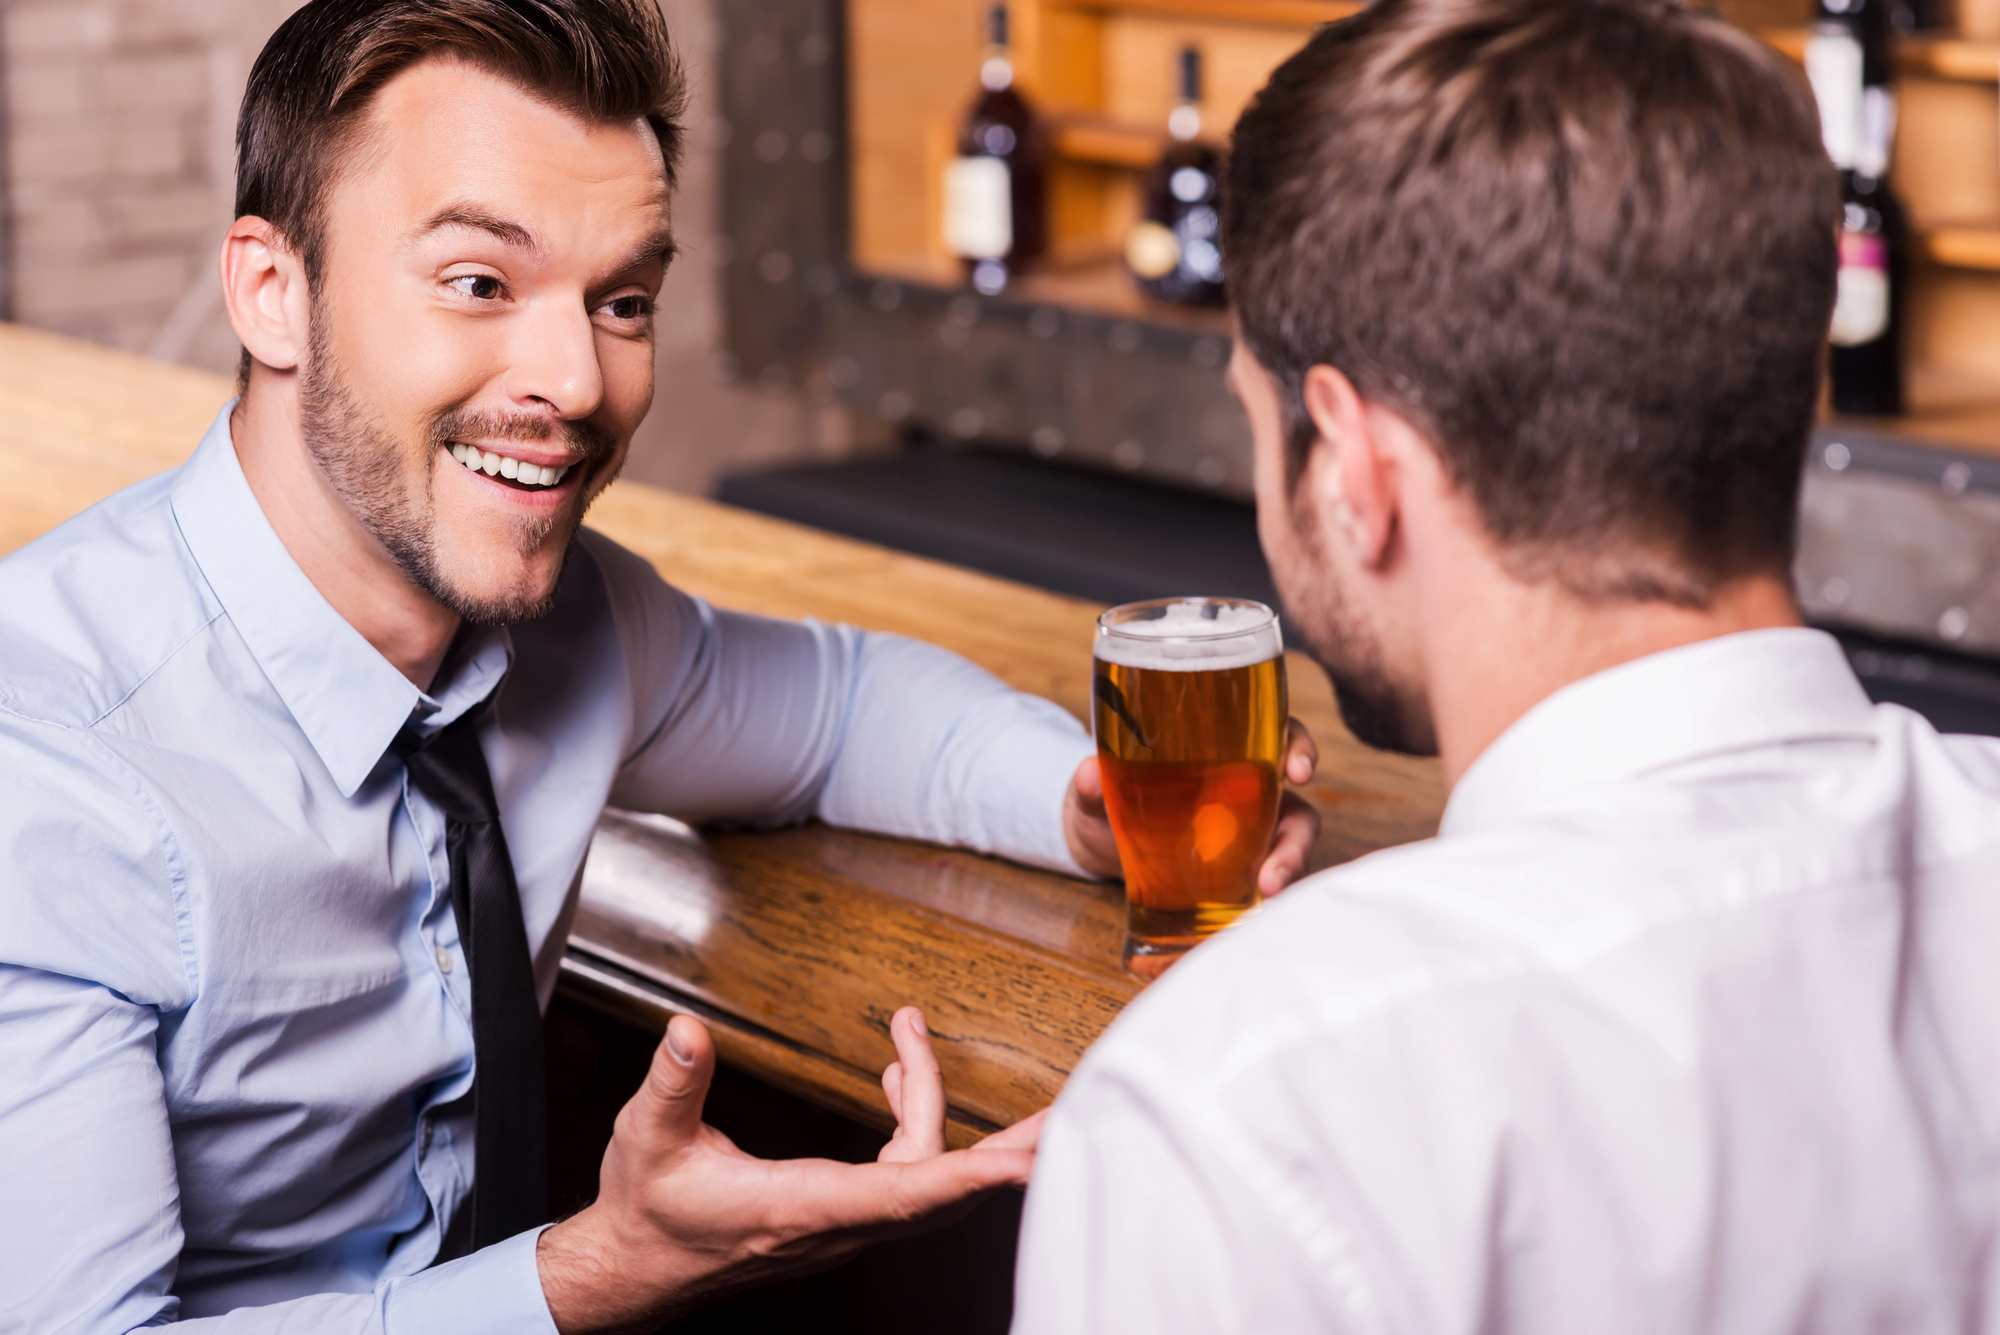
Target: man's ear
(264,291)
(1351,479)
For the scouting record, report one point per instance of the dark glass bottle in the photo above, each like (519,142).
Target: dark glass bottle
(1175,250)
(995,217)
(1848,62)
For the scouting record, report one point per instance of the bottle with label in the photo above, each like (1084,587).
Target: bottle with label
(1175,249)
(993,190)
(1847,60)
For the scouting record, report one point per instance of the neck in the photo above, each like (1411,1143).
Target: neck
(1493,648)
(349,566)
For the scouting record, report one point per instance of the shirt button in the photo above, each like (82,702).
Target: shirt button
(444,960)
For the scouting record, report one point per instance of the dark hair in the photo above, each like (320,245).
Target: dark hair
(1587,246)
(604,60)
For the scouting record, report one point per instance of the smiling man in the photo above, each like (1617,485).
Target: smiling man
(302,745)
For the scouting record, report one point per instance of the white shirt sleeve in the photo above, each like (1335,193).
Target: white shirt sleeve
(766,722)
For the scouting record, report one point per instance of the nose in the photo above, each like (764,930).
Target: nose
(554,362)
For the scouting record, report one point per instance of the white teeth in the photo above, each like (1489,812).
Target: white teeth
(492,464)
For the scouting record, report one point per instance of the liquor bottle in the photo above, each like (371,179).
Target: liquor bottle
(1175,249)
(1847,60)
(1919,15)
(994,189)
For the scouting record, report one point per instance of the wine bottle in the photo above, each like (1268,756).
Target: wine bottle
(1175,249)
(1847,60)
(994,218)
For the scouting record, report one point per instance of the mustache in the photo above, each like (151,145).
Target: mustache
(593,442)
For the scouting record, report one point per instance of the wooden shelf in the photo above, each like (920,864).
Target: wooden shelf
(1971,428)
(1102,71)
(1106,143)
(1961,59)
(1281,13)
(1956,58)
(1791,41)
(1094,283)
(1962,246)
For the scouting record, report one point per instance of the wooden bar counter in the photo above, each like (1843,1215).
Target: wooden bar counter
(794,946)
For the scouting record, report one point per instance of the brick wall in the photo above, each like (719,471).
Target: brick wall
(120,117)
(120,114)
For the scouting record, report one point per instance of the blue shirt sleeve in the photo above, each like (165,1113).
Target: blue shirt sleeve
(763,721)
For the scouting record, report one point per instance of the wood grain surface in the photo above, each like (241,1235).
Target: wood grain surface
(795,946)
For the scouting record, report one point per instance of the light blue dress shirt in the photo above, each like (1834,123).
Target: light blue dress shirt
(232,1000)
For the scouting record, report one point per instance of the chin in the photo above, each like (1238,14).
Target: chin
(526,592)
(496,609)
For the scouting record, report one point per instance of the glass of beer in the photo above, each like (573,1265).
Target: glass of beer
(1188,707)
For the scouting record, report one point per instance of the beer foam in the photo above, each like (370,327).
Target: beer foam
(1192,635)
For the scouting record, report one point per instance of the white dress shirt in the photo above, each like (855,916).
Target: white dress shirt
(1688,1020)
(232,998)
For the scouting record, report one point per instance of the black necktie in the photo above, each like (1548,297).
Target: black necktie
(509,1110)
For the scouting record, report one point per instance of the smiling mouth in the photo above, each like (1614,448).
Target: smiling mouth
(525,476)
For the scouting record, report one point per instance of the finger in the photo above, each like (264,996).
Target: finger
(1088,784)
(883,1199)
(892,1088)
(666,1111)
(1301,752)
(1023,1135)
(1086,826)
(1291,844)
(920,1119)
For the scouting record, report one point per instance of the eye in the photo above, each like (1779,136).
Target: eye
(635,307)
(479,286)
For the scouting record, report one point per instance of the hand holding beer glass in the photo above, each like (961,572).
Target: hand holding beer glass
(1190,713)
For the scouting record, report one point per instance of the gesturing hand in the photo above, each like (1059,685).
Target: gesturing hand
(682,1215)
(1088,828)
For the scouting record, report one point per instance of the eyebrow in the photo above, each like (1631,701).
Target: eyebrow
(659,246)
(507,231)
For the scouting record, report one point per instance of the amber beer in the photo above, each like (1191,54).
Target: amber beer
(1189,709)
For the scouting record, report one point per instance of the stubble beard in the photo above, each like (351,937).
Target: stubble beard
(369,469)
(1379,712)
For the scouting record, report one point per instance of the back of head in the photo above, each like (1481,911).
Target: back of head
(1587,246)
(304,111)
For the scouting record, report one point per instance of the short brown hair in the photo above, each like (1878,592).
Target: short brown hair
(1587,246)
(603,60)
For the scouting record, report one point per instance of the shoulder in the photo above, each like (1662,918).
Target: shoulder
(624,587)
(1416,955)
(95,886)
(91,609)
(1976,760)
(1339,950)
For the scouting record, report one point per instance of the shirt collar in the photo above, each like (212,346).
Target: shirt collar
(1735,692)
(470,673)
(345,696)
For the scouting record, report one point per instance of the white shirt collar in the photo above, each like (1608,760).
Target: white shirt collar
(1737,691)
